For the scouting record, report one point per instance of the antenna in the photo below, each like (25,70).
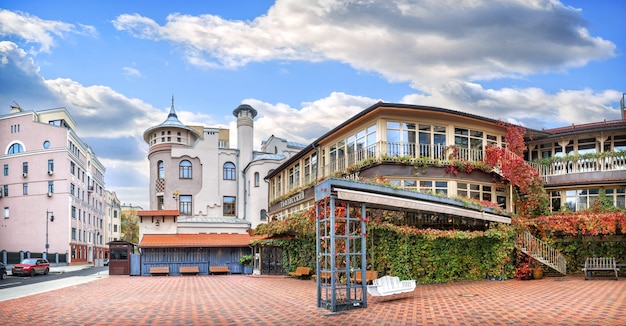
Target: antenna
(623,106)
(16,107)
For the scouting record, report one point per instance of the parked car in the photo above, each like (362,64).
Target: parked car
(32,267)
(3,271)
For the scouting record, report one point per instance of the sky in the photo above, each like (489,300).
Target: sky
(305,66)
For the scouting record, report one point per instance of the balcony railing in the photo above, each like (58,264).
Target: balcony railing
(405,151)
(609,161)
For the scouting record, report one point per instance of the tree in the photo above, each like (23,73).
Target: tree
(130,228)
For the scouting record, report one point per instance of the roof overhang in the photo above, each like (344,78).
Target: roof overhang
(389,201)
(202,240)
(388,198)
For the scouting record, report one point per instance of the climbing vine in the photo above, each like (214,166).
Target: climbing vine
(531,199)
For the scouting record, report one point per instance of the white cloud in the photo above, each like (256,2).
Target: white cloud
(532,107)
(304,124)
(426,43)
(36,30)
(131,72)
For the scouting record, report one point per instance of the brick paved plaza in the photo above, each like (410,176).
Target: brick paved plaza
(250,300)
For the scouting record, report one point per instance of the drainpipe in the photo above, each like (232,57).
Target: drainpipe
(237,185)
(245,193)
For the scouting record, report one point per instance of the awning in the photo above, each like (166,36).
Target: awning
(385,200)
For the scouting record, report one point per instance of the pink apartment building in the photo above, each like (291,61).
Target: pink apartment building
(52,191)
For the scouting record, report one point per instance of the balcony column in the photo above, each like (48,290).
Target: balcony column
(601,139)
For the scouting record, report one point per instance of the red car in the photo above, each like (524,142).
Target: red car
(31,266)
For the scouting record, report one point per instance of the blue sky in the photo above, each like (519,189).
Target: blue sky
(306,66)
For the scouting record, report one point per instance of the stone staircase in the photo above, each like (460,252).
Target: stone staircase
(541,252)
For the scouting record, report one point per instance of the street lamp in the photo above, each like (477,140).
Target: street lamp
(48,213)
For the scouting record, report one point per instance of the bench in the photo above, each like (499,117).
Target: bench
(388,285)
(219,270)
(189,270)
(301,272)
(370,276)
(323,276)
(599,264)
(160,270)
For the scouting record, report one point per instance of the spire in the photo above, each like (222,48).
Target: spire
(172,111)
(171,122)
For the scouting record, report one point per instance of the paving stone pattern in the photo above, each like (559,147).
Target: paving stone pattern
(257,300)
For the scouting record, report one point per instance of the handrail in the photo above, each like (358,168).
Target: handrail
(541,251)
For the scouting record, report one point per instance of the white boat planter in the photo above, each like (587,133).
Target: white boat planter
(388,285)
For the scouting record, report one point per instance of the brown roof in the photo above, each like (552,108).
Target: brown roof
(196,240)
(163,212)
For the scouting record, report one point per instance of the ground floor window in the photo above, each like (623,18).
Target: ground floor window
(581,199)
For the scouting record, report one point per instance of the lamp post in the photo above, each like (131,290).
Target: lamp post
(48,213)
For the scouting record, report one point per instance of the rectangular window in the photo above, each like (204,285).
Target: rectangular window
(25,167)
(160,203)
(410,184)
(401,138)
(6,190)
(72,189)
(73,233)
(51,187)
(426,186)
(474,191)
(441,187)
(6,212)
(313,167)
(74,212)
(6,169)
(230,208)
(50,166)
(620,198)
(185,204)
(25,189)
(555,200)
(469,144)
(72,167)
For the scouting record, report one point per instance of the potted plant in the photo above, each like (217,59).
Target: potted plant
(246,261)
(537,272)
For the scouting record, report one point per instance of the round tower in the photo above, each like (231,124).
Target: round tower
(245,133)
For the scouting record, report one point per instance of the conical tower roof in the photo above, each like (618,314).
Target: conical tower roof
(171,122)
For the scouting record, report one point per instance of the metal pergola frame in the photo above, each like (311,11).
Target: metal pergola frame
(341,208)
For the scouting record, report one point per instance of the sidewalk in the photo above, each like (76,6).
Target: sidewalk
(252,300)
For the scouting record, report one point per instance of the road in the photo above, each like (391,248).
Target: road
(19,286)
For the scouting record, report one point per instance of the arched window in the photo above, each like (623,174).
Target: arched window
(184,170)
(15,148)
(229,171)
(161,168)
(257,179)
